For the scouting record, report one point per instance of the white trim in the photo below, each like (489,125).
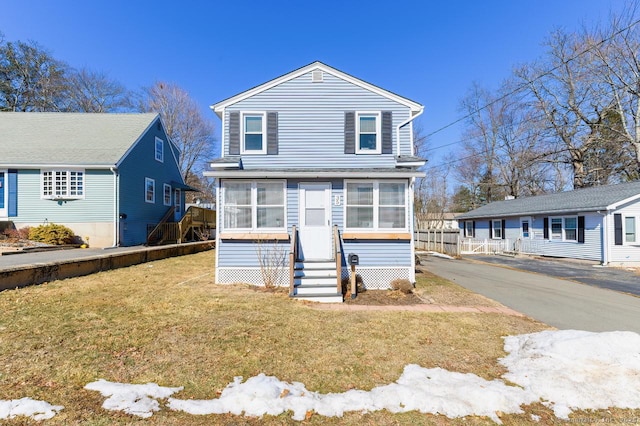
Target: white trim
(493,230)
(263,116)
(404,123)
(220,106)
(378,117)
(269,174)
(67,172)
(155,150)
(177,196)
(254,207)
(529,221)
(563,228)
(148,180)
(116,208)
(164,194)
(376,206)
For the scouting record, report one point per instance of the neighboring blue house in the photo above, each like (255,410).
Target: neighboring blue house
(105,176)
(326,154)
(598,223)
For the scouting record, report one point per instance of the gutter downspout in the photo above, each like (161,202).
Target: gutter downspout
(116,208)
(404,123)
(605,238)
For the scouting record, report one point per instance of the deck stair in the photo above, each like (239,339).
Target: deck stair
(315,281)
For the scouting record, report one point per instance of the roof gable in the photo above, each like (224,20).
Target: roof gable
(220,106)
(83,139)
(596,198)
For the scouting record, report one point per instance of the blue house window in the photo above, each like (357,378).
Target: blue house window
(167,194)
(149,190)
(250,205)
(62,184)
(159,150)
(368,130)
(253,133)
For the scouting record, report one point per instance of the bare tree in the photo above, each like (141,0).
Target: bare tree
(92,91)
(186,126)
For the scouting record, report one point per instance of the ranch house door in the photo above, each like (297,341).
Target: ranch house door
(315,220)
(4,191)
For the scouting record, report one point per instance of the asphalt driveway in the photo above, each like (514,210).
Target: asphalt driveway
(559,302)
(590,273)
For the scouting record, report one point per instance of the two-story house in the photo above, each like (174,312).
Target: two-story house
(108,177)
(315,165)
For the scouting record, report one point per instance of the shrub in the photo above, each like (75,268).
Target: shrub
(402,284)
(52,234)
(17,234)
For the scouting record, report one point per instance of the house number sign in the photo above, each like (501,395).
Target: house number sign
(337,200)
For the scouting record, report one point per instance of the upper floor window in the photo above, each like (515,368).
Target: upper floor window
(368,131)
(149,190)
(159,150)
(253,133)
(63,184)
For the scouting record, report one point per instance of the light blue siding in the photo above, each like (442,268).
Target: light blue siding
(380,253)
(233,253)
(311,123)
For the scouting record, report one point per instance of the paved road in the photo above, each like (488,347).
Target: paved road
(560,303)
(10,261)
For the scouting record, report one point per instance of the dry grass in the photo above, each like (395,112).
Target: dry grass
(166,322)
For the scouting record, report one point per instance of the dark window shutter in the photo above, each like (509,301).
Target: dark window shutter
(349,132)
(490,228)
(474,229)
(272,133)
(617,226)
(13,193)
(387,132)
(545,230)
(581,229)
(504,222)
(234,133)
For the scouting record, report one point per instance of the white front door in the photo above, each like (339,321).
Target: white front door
(315,221)
(4,194)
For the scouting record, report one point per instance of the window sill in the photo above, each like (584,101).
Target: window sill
(376,236)
(268,236)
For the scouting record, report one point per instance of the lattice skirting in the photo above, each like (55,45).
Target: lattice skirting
(249,276)
(380,278)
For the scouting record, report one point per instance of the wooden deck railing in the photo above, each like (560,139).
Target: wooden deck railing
(293,256)
(159,230)
(196,218)
(337,251)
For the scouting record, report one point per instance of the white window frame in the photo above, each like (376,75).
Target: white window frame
(147,182)
(254,205)
(166,194)
(378,117)
(563,229)
(50,190)
(159,150)
(495,228)
(528,221)
(263,116)
(376,205)
(468,228)
(177,200)
(635,230)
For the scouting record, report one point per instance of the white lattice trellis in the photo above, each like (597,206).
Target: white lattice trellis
(249,276)
(380,278)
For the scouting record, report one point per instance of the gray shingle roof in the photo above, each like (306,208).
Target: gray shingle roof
(35,138)
(586,199)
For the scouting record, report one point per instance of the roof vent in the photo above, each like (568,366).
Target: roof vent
(317,76)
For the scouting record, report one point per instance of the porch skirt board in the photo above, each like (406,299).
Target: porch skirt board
(378,278)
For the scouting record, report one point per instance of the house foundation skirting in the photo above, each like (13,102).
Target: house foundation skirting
(373,278)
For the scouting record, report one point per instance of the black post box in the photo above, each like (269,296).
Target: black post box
(353,259)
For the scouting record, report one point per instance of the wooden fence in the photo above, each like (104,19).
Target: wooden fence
(445,241)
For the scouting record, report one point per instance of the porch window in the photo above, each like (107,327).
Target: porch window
(253,131)
(368,130)
(167,194)
(376,205)
(630,229)
(254,204)
(149,190)
(67,184)
(496,226)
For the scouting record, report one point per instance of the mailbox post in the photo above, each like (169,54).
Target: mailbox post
(353,261)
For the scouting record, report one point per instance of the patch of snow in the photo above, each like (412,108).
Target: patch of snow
(37,410)
(139,400)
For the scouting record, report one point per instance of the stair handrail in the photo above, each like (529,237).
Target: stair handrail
(338,256)
(164,219)
(293,256)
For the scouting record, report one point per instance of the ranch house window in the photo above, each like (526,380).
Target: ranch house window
(368,131)
(250,205)
(630,229)
(496,227)
(253,133)
(68,184)
(149,190)
(376,205)
(159,150)
(564,228)
(468,228)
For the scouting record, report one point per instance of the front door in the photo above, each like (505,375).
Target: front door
(3,194)
(315,220)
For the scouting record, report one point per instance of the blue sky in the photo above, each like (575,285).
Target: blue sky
(428,51)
